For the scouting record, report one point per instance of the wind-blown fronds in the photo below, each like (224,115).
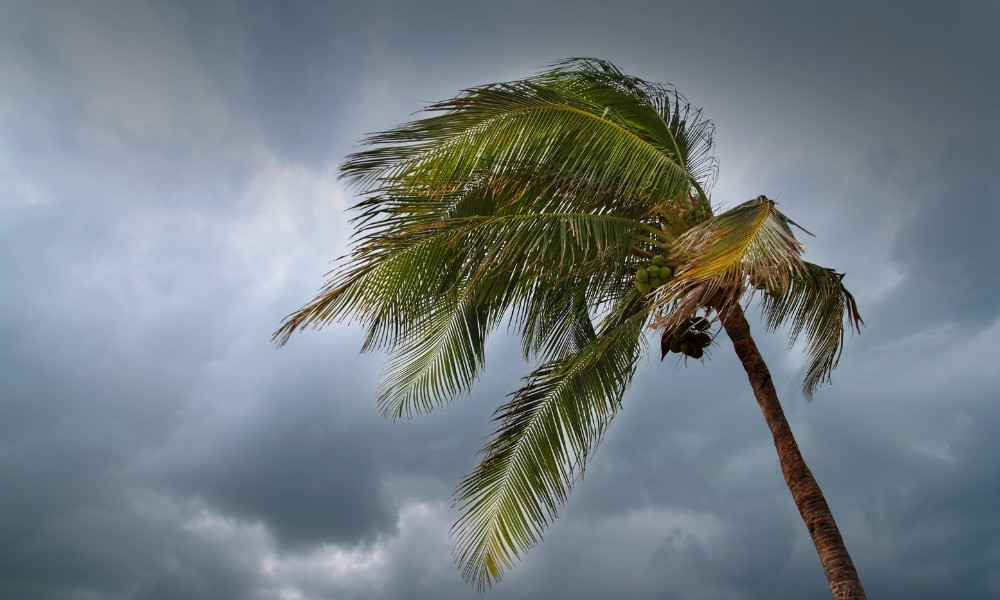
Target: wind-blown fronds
(554,323)
(604,131)
(545,434)
(674,122)
(816,304)
(432,292)
(439,362)
(750,248)
(539,200)
(582,139)
(527,196)
(503,262)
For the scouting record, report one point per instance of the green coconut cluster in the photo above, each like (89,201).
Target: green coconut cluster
(690,339)
(652,275)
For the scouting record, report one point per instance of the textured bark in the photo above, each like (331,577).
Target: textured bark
(837,564)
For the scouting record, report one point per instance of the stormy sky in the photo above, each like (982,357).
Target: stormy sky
(169,192)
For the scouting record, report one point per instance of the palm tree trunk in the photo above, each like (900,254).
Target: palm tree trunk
(837,564)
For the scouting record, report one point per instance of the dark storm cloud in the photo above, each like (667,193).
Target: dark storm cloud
(910,461)
(167,194)
(310,459)
(121,549)
(948,246)
(266,470)
(304,58)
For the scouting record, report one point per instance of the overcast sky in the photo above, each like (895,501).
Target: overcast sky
(168,194)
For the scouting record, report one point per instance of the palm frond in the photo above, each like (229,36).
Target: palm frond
(596,128)
(538,136)
(438,361)
(554,323)
(674,123)
(815,304)
(545,434)
(436,356)
(432,294)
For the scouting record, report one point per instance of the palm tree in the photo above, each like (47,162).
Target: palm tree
(547,203)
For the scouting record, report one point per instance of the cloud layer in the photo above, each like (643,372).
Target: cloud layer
(168,193)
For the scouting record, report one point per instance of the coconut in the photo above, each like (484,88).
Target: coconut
(642,275)
(689,348)
(696,352)
(702,339)
(643,286)
(759,281)
(675,345)
(654,271)
(658,260)
(702,324)
(655,282)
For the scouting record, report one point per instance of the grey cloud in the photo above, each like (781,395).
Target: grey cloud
(115,548)
(311,458)
(948,247)
(299,461)
(166,197)
(930,533)
(305,57)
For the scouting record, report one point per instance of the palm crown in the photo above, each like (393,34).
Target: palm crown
(538,203)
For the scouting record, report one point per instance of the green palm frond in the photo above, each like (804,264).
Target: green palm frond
(524,129)
(432,296)
(606,132)
(438,362)
(673,123)
(507,262)
(554,323)
(546,433)
(815,304)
